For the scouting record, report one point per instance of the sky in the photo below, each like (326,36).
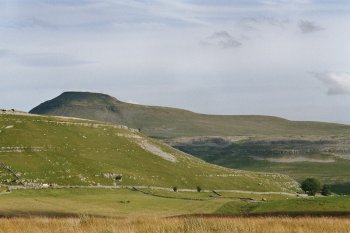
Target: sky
(287,58)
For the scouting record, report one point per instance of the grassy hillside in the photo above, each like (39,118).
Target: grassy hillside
(65,151)
(169,122)
(256,143)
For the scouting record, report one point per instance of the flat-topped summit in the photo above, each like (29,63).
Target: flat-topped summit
(74,98)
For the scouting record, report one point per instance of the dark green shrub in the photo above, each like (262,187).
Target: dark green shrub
(175,189)
(199,189)
(311,186)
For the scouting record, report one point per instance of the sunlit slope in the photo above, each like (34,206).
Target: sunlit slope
(66,151)
(170,122)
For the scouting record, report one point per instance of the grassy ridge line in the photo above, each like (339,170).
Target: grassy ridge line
(45,150)
(163,122)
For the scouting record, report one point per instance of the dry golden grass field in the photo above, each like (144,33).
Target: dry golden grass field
(191,224)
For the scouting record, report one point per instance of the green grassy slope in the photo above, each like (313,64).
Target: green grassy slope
(65,151)
(170,122)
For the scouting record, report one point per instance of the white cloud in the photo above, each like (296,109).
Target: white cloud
(337,83)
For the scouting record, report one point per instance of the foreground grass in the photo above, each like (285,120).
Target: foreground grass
(200,225)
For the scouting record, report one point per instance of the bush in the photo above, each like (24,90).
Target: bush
(199,189)
(326,190)
(175,189)
(311,186)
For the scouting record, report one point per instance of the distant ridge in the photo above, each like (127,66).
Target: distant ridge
(167,122)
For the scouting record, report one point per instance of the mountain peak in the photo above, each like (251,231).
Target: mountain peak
(73,100)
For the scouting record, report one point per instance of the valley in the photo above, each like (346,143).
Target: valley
(314,156)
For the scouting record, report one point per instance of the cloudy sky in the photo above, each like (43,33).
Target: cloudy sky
(289,58)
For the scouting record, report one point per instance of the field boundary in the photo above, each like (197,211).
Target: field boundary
(138,188)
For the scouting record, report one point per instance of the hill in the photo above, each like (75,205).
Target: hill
(258,143)
(37,150)
(166,122)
